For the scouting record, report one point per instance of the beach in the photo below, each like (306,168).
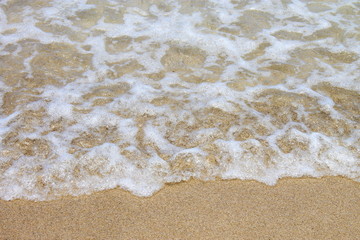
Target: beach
(306,208)
(179,119)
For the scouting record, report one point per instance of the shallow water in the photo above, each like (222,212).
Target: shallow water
(135,94)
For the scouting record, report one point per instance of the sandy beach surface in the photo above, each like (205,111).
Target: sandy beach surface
(101,94)
(327,208)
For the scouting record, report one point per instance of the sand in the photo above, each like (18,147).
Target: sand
(327,208)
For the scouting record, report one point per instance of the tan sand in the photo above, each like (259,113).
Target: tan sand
(327,208)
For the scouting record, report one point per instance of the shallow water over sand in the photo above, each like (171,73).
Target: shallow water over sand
(100,94)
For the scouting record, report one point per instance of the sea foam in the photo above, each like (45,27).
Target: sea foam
(135,94)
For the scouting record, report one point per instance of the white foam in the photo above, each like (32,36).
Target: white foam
(167,127)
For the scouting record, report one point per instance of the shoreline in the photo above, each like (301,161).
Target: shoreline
(303,208)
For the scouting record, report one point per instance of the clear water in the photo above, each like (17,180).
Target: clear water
(136,94)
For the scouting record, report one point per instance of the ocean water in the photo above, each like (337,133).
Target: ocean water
(135,94)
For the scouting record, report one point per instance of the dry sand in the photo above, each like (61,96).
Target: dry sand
(327,208)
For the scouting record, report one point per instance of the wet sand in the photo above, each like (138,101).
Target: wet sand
(327,208)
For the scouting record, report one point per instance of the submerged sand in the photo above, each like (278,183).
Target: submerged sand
(141,93)
(327,208)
